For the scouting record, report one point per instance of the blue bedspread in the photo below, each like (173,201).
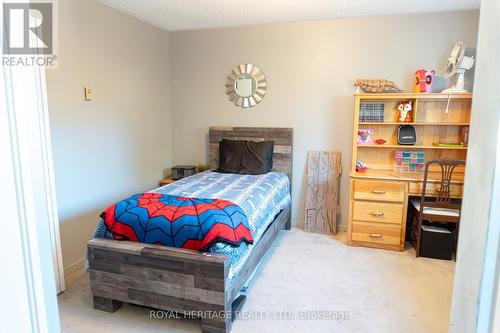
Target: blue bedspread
(262,197)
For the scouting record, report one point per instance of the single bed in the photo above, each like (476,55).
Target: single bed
(206,285)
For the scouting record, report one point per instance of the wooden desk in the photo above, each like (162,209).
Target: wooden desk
(378,205)
(378,199)
(415,180)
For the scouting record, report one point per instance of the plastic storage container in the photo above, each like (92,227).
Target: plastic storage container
(409,161)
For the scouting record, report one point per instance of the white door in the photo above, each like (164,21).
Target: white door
(25,106)
(29,251)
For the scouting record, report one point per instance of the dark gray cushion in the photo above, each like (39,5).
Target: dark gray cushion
(245,157)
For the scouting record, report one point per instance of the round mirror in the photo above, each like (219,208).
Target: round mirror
(246,85)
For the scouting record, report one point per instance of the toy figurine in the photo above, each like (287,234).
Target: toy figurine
(357,86)
(405,111)
(423,81)
(365,136)
(361,166)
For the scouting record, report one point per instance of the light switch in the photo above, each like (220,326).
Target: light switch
(87,93)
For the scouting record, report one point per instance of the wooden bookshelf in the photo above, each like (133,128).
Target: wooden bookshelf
(432,121)
(415,123)
(408,147)
(419,96)
(379,196)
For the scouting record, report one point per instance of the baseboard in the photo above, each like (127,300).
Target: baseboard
(77,265)
(342,228)
(299,224)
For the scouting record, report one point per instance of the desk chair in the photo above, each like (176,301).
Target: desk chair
(440,208)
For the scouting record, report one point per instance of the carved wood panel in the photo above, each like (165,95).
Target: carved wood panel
(322,191)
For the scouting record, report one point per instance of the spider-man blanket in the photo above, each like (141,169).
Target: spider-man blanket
(171,220)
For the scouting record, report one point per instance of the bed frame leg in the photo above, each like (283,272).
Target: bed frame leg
(106,304)
(288,224)
(215,325)
(236,306)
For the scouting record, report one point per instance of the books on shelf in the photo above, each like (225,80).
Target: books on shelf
(371,112)
(464,135)
(448,144)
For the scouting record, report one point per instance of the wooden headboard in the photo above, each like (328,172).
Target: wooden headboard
(282,137)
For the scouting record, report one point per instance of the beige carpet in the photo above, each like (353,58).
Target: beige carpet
(305,274)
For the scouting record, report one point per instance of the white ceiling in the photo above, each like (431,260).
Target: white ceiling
(175,15)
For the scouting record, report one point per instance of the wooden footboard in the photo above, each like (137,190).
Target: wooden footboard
(185,281)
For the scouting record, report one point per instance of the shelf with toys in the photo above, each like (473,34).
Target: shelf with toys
(416,96)
(405,147)
(393,123)
(435,123)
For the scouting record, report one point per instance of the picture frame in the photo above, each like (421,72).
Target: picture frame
(365,136)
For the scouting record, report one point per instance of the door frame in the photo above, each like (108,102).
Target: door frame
(476,275)
(49,182)
(34,118)
(30,250)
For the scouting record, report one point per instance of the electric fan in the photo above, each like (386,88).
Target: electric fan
(458,64)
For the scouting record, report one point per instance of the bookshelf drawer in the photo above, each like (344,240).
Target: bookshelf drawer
(377,212)
(376,233)
(379,190)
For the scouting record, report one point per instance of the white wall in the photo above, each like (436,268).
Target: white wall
(310,68)
(120,142)
(478,251)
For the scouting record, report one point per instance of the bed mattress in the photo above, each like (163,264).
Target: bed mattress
(262,197)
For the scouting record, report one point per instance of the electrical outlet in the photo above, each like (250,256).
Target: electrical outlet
(87,93)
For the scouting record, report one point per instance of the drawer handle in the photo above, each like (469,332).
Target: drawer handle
(378,192)
(377,213)
(375,235)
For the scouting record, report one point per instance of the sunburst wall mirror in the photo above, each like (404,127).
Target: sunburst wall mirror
(246,85)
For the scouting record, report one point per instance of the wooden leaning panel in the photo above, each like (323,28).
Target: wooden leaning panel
(180,280)
(322,191)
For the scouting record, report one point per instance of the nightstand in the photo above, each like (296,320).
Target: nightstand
(166,181)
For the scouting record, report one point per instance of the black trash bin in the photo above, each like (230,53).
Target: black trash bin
(436,242)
